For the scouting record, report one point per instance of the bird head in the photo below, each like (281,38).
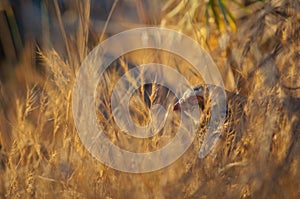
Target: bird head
(191,98)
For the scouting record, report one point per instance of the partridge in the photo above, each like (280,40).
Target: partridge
(235,120)
(199,96)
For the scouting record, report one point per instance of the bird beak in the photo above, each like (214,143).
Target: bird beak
(177,107)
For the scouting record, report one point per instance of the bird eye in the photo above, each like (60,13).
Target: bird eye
(198,89)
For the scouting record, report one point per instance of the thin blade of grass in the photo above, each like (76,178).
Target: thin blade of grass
(62,29)
(108,19)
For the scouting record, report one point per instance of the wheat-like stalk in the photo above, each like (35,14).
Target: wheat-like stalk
(41,155)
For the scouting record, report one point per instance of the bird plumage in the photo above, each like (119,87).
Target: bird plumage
(200,97)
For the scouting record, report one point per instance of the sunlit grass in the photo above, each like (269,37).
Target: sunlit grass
(257,155)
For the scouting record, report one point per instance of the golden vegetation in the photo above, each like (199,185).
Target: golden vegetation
(41,155)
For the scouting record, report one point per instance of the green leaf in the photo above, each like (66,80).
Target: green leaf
(223,10)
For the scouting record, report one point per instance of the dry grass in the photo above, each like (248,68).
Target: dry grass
(41,155)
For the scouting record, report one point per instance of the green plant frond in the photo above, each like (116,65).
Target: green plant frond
(223,10)
(215,13)
(232,19)
(221,14)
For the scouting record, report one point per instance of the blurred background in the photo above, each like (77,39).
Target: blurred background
(36,23)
